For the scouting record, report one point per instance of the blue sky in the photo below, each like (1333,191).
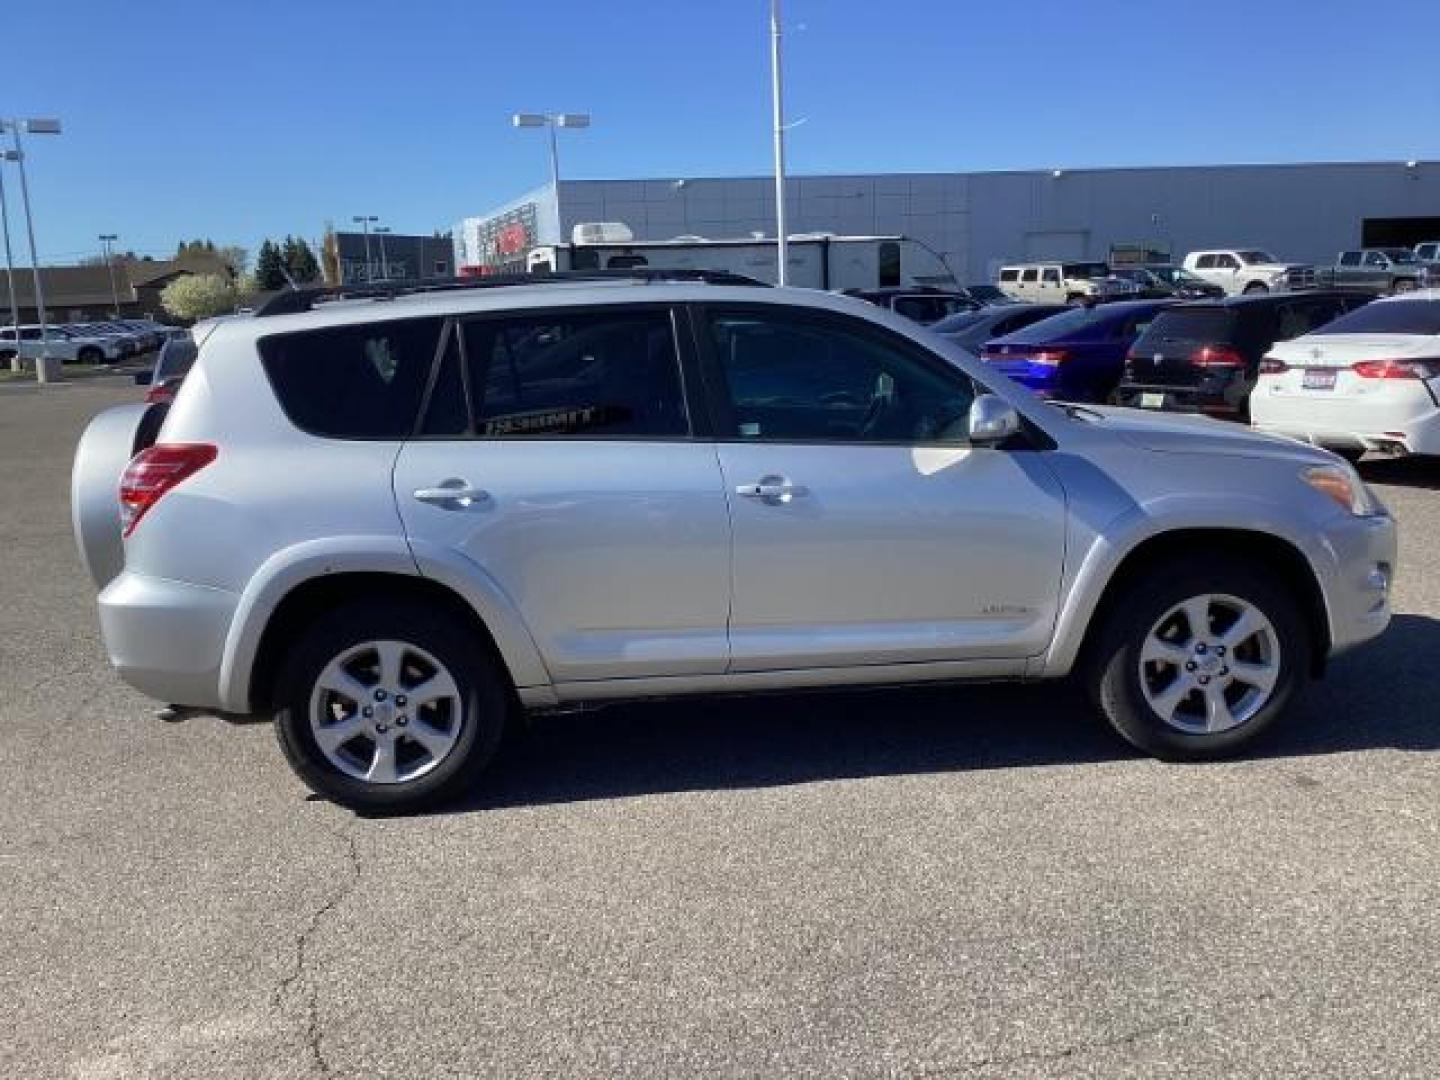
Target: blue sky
(238,120)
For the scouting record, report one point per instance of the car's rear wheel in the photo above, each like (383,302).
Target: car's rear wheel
(90,355)
(1403,285)
(1196,664)
(390,706)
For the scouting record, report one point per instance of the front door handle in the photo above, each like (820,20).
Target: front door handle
(775,490)
(452,494)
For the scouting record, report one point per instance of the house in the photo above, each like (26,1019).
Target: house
(83,293)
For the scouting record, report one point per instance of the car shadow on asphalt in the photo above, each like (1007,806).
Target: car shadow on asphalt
(1415,472)
(1377,697)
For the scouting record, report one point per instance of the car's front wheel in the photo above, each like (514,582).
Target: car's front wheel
(390,705)
(1194,665)
(1255,288)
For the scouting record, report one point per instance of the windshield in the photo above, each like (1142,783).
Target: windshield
(1057,327)
(1388,317)
(1250,258)
(1087,270)
(962,320)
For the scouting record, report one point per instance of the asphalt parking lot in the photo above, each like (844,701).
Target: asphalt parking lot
(921,883)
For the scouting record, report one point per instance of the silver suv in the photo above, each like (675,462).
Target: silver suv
(397,521)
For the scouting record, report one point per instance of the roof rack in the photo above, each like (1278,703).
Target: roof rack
(293,301)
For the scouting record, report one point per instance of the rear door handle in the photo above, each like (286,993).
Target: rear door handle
(452,494)
(775,490)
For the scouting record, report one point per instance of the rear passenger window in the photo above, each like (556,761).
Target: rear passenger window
(353,382)
(1030,275)
(582,376)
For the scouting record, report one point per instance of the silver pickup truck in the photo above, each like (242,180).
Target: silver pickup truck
(1383,270)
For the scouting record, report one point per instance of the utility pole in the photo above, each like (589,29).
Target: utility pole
(16,364)
(107,239)
(778,105)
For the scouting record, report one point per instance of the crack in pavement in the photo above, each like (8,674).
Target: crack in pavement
(298,978)
(1062,1053)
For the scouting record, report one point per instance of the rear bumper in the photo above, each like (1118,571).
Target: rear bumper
(1222,394)
(1349,424)
(166,638)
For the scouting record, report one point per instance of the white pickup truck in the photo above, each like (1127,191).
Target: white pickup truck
(1249,270)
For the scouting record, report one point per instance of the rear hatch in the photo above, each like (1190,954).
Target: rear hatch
(1179,347)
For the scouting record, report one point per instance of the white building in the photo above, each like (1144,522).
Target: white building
(1305,212)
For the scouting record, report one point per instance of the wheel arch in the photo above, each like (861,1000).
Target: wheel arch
(308,600)
(1275,553)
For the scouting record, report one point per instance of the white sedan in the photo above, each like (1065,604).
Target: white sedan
(1370,380)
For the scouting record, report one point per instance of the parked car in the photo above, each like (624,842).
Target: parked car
(173,363)
(1063,282)
(128,341)
(1163,281)
(1382,270)
(1370,380)
(1076,355)
(972,329)
(392,522)
(923,304)
(56,342)
(1204,356)
(987,294)
(1249,270)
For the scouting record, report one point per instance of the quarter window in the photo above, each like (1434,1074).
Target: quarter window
(577,376)
(1010,274)
(789,378)
(355,382)
(1350,258)
(889,264)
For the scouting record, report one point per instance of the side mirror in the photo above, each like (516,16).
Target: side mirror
(143,378)
(992,420)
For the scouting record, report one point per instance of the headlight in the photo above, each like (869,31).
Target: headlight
(1342,483)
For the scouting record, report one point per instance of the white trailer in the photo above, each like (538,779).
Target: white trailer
(815,261)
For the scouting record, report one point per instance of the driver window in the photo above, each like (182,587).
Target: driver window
(794,379)
(1227,262)
(1052,275)
(1374,258)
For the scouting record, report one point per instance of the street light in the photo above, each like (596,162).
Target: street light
(552,121)
(777,105)
(16,364)
(107,239)
(33,127)
(364,221)
(381,231)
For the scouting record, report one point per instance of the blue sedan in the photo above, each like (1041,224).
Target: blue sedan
(1078,355)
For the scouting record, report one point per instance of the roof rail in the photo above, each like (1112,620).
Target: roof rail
(293,301)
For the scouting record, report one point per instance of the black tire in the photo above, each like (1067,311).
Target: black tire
(1351,454)
(484,694)
(1403,285)
(1255,288)
(90,355)
(6,355)
(1111,668)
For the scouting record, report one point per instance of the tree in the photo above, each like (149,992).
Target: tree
(269,267)
(199,296)
(300,261)
(235,257)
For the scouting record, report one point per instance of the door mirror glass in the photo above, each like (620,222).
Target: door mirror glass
(992,420)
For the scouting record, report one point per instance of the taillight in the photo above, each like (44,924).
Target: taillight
(1216,356)
(161,394)
(153,472)
(1050,357)
(1271,366)
(1397,369)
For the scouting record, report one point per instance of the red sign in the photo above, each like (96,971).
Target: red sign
(512,239)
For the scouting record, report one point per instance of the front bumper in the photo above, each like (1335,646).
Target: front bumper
(166,638)
(1357,589)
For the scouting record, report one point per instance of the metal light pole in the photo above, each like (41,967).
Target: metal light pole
(552,121)
(381,231)
(778,107)
(34,127)
(16,364)
(364,220)
(107,239)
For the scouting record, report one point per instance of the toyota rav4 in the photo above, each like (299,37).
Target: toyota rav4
(396,518)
